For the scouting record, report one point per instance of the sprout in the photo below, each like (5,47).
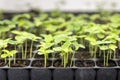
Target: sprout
(45,47)
(23,37)
(5,27)
(8,54)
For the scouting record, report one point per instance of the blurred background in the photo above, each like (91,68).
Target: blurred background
(63,5)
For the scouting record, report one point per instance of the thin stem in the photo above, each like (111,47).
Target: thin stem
(107,59)
(5,60)
(45,60)
(95,52)
(110,54)
(22,52)
(72,59)
(25,49)
(9,61)
(15,56)
(104,58)
(31,48)
(114,52)
(64,61)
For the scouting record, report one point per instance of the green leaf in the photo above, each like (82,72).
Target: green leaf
(112,46)
(13,52)
(100,36)
(6,51)
(91,39)
(46,45)
(3,55)
(118,39)
(16,32)
(66,45)
(49,51)
(40,53)
(13,42)
(104,47)
(57,49)
(60,38)
(77,45)
(47,38)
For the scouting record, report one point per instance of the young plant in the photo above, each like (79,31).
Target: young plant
(23,22)
(3,44)
(5,27)
(8,54)
(22,37)
(66,47)
(14,43)
(45,47)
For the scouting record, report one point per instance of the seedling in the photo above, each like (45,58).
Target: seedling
(45,47)
(67,43)
(5,27)
(23,37)
(23,21)
(8,54)
(3,44)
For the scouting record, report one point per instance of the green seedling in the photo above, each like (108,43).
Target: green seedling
(24,37)
(8,54)
(23,21)
(5,27)
(45,47)
(67,42)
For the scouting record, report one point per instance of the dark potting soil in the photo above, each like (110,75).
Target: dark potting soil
(58,63)
(20,63)
(57,55)
(82,55)
(100,63)
(100,56)
(40,63)
(2,62)
(84,63)
(37,56)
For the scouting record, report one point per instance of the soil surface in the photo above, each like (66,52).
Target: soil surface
(2,62)
(37,56)
(84,63)
(100,63)
(82,55)
(58,63)
(40,63)
(20,63)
